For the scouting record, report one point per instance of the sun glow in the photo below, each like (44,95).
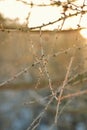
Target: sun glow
(14,9)
(83,32)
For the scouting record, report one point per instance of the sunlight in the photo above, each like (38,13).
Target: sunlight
(16,10)
(83,32)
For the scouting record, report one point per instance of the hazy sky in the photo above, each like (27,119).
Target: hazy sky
(38,15)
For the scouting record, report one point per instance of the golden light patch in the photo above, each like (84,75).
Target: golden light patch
(83,32)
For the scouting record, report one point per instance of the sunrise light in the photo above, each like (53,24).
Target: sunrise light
(17,10)
(83,32)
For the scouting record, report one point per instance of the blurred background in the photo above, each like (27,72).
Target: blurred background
(37,39)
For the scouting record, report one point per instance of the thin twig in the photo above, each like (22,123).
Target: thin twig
(18,74)
(62,88)
(73,95)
